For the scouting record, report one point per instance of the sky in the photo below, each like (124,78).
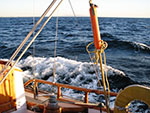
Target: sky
(106,8)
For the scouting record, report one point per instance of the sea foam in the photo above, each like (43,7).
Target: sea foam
(65,68)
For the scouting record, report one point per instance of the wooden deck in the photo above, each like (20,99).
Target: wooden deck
(66,107)
(23,111)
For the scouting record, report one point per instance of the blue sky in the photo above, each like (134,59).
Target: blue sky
(107,8)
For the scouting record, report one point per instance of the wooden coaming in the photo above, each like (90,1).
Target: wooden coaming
(7,90)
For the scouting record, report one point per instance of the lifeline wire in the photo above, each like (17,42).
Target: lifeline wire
(27,37)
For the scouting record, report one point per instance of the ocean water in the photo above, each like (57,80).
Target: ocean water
(128,52)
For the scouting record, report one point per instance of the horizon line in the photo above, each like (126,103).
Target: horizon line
(70,16)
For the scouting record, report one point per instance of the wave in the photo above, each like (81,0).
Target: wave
(121,44)
(3,46)
(106,35)
(127,45)
(71,72)
(67,71)
(141,46)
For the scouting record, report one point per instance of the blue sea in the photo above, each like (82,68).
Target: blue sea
(127,54)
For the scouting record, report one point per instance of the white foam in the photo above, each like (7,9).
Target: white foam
(142,46)
(67,71)
(66,67)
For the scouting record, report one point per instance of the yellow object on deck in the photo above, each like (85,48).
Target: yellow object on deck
(7,90)
(129,94)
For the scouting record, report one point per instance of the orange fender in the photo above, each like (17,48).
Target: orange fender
(95,26)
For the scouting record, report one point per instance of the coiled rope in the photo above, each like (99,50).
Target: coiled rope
(97,57)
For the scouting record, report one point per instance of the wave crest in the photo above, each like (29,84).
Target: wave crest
(127,45)
(67,71)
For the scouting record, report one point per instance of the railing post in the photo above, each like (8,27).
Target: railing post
(35,89)
(86,97)
(58,92)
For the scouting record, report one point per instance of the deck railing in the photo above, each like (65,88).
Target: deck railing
(59,86)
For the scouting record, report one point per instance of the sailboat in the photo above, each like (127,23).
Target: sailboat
(17,97)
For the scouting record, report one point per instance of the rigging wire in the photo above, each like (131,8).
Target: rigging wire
(33,56)
(73,11)
(55,48)
(72,8)
(24,41)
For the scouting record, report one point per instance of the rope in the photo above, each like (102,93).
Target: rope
(24,41)
(27,37)
(89,52)
(98,58)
